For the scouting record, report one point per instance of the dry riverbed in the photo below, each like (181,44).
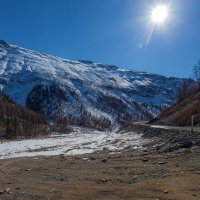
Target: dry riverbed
(127,175)
(167,167)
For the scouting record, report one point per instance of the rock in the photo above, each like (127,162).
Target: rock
(2,191)
(28,170)
(165,191)
(85,158)
(60,177)
(162,162)
(7,190)
(145,160)
(104,160)
(135,177)
(105,149)
(104,181)
(51,190)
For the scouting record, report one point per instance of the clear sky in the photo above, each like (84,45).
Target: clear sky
(109,31)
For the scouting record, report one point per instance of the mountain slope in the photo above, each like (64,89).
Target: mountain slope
(84,92)
(179,114)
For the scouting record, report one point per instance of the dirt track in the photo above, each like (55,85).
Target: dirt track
(129,175)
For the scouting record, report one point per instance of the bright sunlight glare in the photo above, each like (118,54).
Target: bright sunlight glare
(159,14)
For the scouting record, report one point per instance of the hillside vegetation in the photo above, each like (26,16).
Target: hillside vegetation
(18,121)
(180,113)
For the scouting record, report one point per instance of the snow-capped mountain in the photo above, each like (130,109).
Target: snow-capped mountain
(84,92)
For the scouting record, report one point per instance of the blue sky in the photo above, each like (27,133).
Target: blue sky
(107,31)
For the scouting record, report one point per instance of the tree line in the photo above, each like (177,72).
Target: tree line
(18,121)
(187,87)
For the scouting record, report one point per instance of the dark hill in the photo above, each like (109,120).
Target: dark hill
(18,121)
(179,114)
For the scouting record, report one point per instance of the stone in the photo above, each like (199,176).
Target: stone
(145,160)
(162,162)
(106,149)
(165,191)
(2,191)
(135,177)
(7,190)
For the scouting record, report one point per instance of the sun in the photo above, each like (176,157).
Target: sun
(160,14)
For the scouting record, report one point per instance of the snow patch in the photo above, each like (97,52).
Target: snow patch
(80,141)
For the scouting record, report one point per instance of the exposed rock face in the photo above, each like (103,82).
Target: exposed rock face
(83,92)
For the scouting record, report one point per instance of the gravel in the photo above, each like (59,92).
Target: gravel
(166,140)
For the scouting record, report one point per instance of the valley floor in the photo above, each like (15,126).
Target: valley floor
(103,166)
(79,141)
(127,175)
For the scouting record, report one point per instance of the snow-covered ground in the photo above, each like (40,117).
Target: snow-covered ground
(80,141)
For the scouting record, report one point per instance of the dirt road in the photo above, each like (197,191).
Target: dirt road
(128,175)
(180,128)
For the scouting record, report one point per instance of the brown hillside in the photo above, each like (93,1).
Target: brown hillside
(17,121)
(179,114)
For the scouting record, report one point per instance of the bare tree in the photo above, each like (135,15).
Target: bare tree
(196,71)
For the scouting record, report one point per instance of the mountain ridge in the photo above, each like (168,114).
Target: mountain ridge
(83,92)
